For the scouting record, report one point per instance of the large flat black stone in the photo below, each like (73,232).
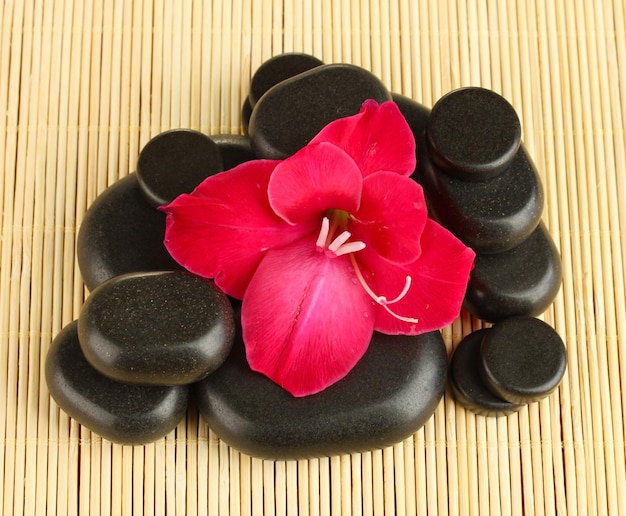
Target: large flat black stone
(389,395)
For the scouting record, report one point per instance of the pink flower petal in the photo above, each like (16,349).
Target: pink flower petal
(305,321)
(378,138)
(225,226)
(438,282)
(316,178)
(391,217)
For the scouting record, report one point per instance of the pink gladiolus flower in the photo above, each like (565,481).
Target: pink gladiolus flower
(324,248)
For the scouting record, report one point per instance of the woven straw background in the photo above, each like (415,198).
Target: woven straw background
(84,85)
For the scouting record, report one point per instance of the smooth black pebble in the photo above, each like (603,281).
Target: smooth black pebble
(466,381)
(121,233)
(122,413)
(246,113)
(521,281)
(415,114)
(391,392)
(175,162)
(160,328)
(277,69)
(291,113)
(489,216)
(234,148)
(523,359)
(473,133)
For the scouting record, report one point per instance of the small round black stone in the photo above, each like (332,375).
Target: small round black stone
(466,382)
(277,69)
(246,113)
(235,149)
(521,281)
(489,216)
(121,233)
(119,412)
(159,328)
(175,162)
(473,133)
(523,359)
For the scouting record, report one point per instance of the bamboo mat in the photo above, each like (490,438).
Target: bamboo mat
(84,85)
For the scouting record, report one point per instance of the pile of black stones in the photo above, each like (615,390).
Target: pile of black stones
(150,335)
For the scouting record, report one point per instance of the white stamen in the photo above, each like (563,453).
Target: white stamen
(382,300)
(323,236)
(339,241)
(405,290)
(350,247)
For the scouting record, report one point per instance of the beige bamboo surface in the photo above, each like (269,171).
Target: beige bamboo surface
(84,85)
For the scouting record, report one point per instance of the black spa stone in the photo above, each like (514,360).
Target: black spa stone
(234,148)
(175,162)
(159,328)
(246,113)
(415,114)
(277,69)
(489,216)
(121,233)
(523,359)
(122,413)
(389,395)
(473,133)
(522,281)
(291,113)
(466,382)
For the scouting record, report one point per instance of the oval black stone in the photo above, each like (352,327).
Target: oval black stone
(291,113)
(521,281)
(277,69)
(473,133)
(246,113)
(489,216)
(523,359)
(414,113)
(121,233)
(122,413)
(389,395)
(234,148)
(175,162)
(159,328)
(466,381)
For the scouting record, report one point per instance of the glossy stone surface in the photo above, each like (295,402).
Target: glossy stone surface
(522,281)
(489,216)
(159,328)
(175,162)
(466,381)
(415,114)
(389,395)
(291,113)
(125,414)
(234,148)
(277,69)
(523,359)
(473,133)
(121,233)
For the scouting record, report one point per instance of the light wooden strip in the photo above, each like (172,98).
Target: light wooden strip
(345,481)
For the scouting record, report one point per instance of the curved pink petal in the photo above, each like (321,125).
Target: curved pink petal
(391,217)
(438,282)
(378,138)
(316,178)
(305,322)
(224,227)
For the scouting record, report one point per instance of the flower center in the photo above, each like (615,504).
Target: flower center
(333,247)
